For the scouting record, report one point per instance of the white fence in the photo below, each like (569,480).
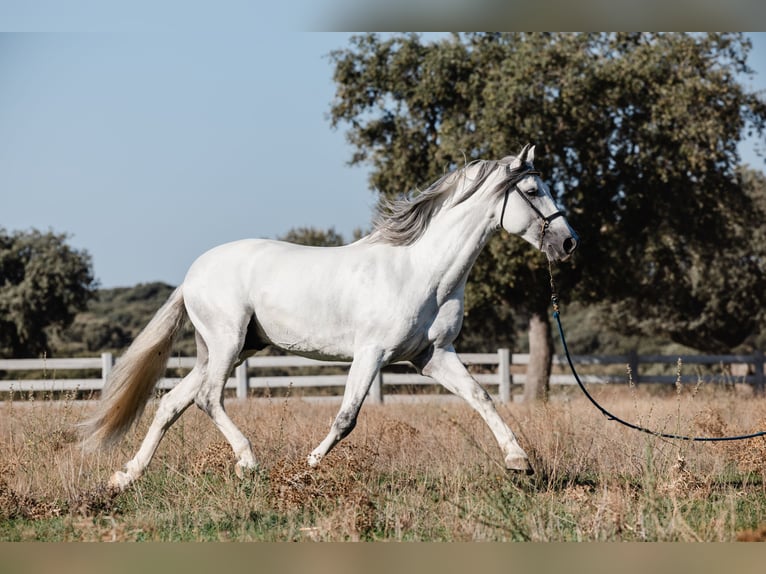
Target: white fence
(500,372)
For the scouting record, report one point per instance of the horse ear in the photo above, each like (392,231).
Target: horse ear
(519,160)
(522,157)
(531,155)
(524,152)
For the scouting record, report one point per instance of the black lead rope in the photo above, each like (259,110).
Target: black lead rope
(610,416)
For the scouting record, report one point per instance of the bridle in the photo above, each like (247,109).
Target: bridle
(513,185)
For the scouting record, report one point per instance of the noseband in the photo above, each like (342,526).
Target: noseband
(513,185)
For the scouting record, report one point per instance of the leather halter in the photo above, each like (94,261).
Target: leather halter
(513,185)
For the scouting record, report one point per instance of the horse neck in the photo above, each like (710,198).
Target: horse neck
(453,242)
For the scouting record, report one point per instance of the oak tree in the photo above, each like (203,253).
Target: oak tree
(43,283)
(637,136)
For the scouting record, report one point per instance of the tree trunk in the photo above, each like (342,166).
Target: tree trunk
(540,358)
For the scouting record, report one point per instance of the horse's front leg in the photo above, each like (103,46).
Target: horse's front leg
(444,366)
(364,368)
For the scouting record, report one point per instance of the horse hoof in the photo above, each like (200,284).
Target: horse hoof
(119,481)
(313,460)
(243,470)
(519,464)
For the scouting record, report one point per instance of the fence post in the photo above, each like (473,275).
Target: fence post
(242,382)
(633,365)
(107,362)
(504,374)
(758,380)
(376,389)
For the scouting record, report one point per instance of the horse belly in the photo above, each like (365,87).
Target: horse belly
(303,338)
(328,303)
(297,316)
(332,326)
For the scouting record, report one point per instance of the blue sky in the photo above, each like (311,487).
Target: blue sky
(151,148)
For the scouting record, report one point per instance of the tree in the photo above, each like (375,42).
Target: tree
(114,317)
(313,236)
(638,135)
(43,283)
(754,182)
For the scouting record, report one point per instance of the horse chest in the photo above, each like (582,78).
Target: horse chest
(433,326)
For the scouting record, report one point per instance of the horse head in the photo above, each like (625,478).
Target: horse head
(528,208)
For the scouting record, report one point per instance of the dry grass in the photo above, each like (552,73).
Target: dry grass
(407,472)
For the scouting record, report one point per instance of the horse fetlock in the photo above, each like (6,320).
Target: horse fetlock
(119,481)
(314,459)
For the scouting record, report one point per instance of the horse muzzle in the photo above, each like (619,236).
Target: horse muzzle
(558,249)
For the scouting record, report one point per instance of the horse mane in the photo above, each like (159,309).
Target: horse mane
(402,221)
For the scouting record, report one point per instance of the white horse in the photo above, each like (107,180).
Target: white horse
(396,294)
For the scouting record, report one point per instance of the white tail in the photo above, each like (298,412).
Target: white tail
(133,378)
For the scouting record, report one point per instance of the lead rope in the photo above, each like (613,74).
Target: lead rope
(606,413)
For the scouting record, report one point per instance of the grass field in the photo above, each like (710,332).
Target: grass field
(420,472)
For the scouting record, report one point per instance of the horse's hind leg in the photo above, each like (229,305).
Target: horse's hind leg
(222,358)
(171,406)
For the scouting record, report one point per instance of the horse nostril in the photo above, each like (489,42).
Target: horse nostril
(570,244)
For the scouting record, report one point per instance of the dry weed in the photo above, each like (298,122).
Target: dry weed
(598,511)
(16,505)
(680,481)
(395,436)
(750,455)
(338,482)
(295,484)
(710,423)
(215,458)
(415,472)
(94,501)
(752,535)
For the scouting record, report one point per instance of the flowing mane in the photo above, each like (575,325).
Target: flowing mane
(402,221)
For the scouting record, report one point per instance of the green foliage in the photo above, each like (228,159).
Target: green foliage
(638,134)
(43,283)
(315,237)
(754,183)
(114,318)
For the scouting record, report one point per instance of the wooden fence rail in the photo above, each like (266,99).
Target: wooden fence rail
(501,370)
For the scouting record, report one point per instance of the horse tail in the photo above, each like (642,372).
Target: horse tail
(131,381)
